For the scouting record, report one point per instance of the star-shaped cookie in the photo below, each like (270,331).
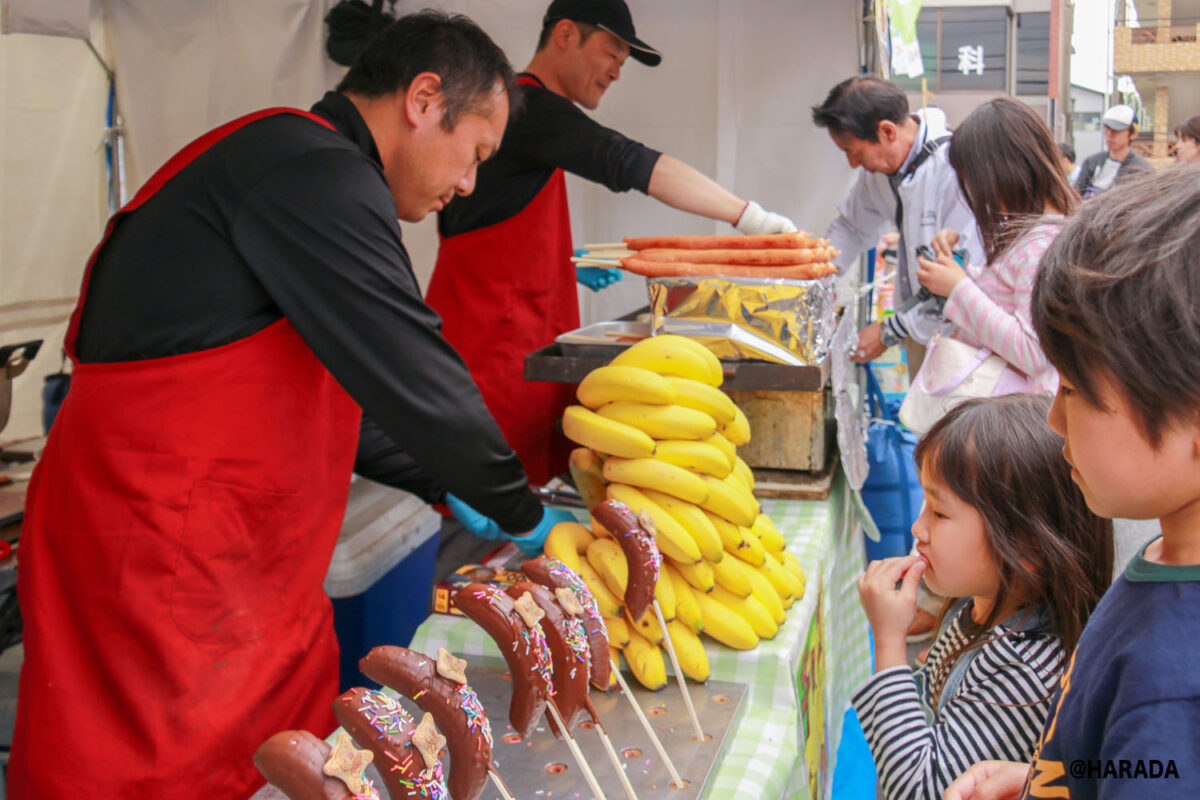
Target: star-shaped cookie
(347,763)
(528,609)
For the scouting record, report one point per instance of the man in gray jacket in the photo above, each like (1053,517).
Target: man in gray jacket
(906,182)
(1101,171)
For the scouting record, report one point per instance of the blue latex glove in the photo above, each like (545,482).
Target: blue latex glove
(597,278)
(472,520)
(531,543)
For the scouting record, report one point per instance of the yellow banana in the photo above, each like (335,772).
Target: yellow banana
(718,441)
(737,430)
(664,593)
(733,478)
(731,535)
(689,650)
(660,422)
(735,483)
(727,501)
(790,562)
(566,541)
(618,631)
(686,610)
(768,534)
(608,384)
(673,541)
(650,473)
(715,371)
(724,624)
(608,559)
(587,475)
(700,576)
(693,520)
(599,530)
(586,427)
(693,455)
(764,592)
(753,552)
(645,662)
(669,355)
(743,471)
(749,609)
(609,604)
(787,586)
(647,626)
(729,576)
(702,397)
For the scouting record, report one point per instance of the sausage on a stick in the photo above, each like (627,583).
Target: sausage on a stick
(793,241)
(745,258)
(661,269)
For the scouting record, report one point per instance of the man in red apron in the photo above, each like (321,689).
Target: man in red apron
(504,283)
(237,315)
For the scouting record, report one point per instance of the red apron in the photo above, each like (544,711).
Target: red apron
(178,529)
(504,291)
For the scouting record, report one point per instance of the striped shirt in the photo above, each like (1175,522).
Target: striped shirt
(992,308)
(997,711)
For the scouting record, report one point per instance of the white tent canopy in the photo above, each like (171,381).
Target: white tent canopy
(732,97)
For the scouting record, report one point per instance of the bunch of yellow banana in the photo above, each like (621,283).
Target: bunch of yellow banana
(658,434)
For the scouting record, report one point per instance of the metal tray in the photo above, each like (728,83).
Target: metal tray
(603,338)
(542,766)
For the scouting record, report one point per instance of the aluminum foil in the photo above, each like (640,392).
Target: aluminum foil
(782,321)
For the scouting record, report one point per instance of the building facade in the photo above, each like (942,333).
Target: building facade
(975,50)
(1158,46)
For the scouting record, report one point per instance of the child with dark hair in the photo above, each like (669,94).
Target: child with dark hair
(1116,308)
(1187,135)
(1008,537)
(1008,172)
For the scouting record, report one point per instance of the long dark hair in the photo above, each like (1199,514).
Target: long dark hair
(1007,166)
(999,456)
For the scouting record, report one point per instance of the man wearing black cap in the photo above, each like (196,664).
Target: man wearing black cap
(504,283)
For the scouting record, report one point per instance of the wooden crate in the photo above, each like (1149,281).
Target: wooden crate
(790,429)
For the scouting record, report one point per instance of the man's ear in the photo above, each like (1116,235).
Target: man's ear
(423,99)
(1133,132)
(887,132)
(566,34)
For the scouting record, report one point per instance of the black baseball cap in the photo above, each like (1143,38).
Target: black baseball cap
(607,15)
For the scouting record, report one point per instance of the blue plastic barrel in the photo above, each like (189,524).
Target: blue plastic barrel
(388,612)
(892,491)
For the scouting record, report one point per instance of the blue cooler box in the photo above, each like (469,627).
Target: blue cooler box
(381,576)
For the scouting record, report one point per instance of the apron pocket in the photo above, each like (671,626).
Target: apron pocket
(232,581)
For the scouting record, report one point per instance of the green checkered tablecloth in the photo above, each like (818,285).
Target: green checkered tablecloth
(765,755)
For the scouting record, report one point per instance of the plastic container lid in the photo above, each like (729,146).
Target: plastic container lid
(381,528)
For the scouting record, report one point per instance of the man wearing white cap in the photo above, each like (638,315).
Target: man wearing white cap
(504,283)
(1100,171)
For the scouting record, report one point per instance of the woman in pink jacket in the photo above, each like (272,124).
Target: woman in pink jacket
(1007,166)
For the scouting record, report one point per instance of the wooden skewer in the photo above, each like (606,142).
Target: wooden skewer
(595,262)
(501,786)
(607,246)
(612,752)
(676,781)
(573,746)
(687,697)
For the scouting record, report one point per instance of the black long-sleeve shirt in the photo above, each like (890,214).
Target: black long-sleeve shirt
(549,133)
(286,218)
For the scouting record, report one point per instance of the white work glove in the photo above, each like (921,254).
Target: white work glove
(755,221)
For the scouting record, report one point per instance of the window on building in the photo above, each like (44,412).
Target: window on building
(1033,53)
(963,49)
